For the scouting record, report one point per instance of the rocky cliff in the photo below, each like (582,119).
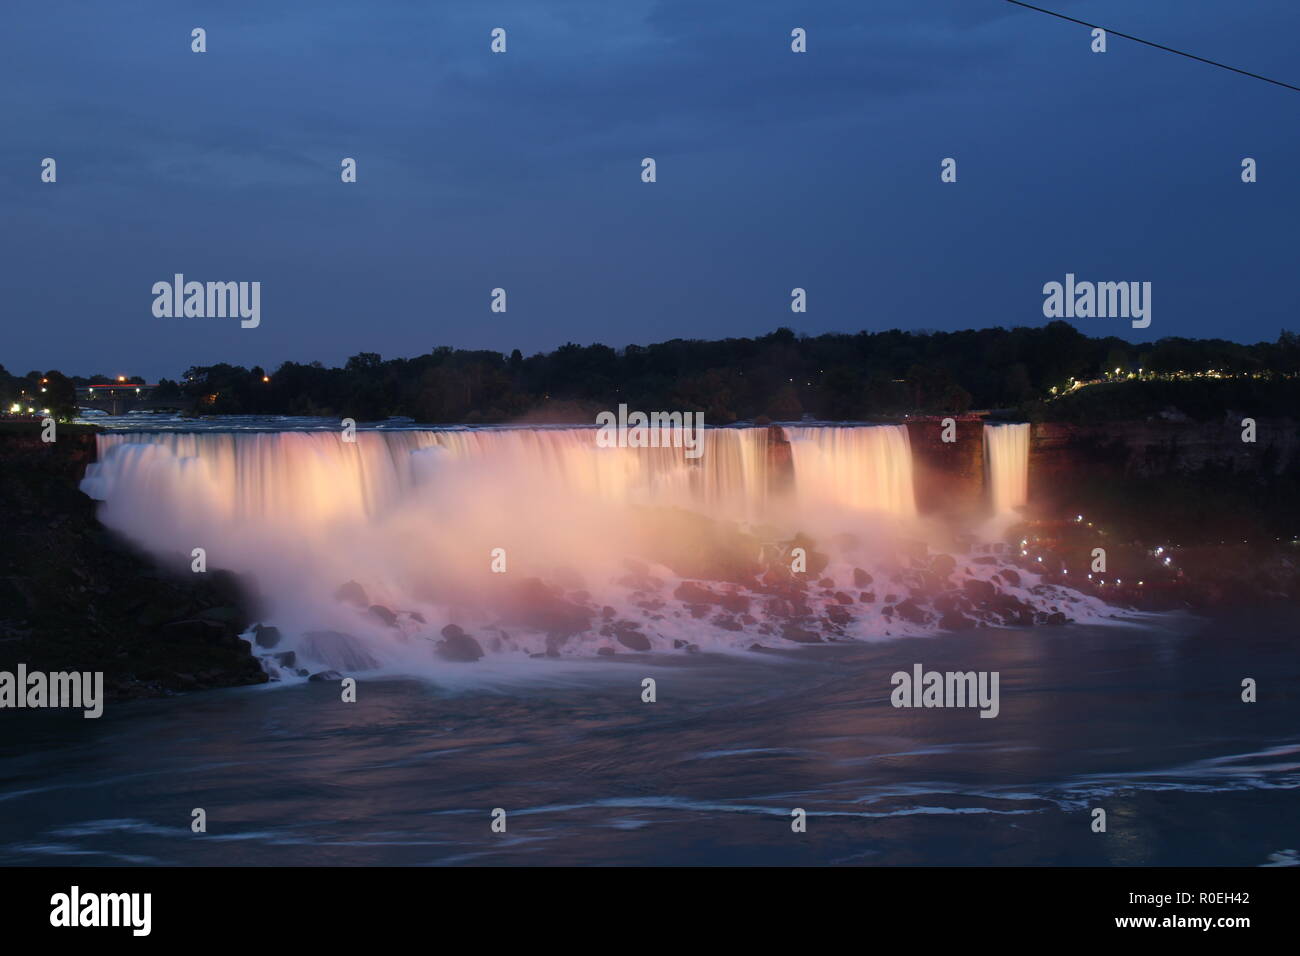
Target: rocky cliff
(75,597)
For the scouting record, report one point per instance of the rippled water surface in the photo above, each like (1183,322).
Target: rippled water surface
(1143,721)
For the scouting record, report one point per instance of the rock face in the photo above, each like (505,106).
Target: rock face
(73,596)
(947,477)
(1150,449)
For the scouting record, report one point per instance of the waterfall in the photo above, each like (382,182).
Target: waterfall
(858,468)
(411,549)
(309,476)
(1006,465)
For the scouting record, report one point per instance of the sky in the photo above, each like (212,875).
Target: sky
(523,171)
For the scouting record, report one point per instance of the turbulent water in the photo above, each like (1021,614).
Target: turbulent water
(1144,721)
(536,541)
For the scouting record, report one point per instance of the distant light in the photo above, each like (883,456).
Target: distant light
(121,378)
(266,378)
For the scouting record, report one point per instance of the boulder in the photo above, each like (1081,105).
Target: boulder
(352,593)
(458,646)
(382,614)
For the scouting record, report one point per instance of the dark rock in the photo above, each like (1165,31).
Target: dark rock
(382,614)
(943,565)
(909,610)
(266,636)
(325,676)
(232,617)
(352,593)
(838,615)
(631,638)
(458,646)
(861,579)
(793,632)
(193,630)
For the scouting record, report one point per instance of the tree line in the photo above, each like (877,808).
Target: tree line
(780,376)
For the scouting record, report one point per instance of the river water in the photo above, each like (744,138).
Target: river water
(1143,720)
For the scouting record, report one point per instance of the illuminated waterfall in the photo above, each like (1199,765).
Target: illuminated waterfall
(1006,466)
(539,542)
(866,468)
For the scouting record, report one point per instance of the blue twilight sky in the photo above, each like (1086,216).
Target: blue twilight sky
(522,171)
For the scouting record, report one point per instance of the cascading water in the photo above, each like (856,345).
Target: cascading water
(862,469)
(410,551)
(1006,465)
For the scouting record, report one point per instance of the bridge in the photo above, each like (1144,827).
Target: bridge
(122,397)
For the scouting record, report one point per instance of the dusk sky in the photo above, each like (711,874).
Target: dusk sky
(523,171)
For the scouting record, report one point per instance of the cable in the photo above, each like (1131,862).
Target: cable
(1158,46)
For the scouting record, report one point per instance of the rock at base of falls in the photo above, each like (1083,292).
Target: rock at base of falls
(383,615)
(352,593)
(458,646)
(266,636)
(633,640)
